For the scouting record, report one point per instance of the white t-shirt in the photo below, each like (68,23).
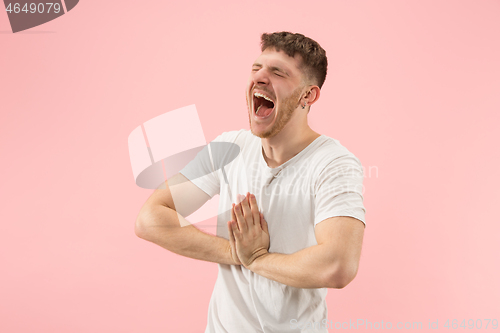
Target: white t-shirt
(322,181)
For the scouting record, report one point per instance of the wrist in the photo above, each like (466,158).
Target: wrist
(231,255)
(257,262)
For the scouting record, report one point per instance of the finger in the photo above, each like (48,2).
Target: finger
(247,213)
(230,232)
(242,224)
(236,231)
(263,223)
(233,215)
(255,210)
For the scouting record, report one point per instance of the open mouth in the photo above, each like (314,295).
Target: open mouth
(263,105)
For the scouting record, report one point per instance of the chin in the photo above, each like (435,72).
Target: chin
(263,134)
(260,130)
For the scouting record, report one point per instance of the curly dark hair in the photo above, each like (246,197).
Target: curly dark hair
(314,60)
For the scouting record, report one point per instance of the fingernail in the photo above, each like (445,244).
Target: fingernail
(252,196)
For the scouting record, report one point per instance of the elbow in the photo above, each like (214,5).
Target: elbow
(140,228)
(143,222)
(341,276)
(155,223)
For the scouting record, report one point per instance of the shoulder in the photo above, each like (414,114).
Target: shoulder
(331,155)
(331,149)
(228,145)
(240,137)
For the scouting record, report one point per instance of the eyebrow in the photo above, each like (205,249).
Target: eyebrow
(272,68)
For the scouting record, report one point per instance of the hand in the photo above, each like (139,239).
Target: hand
(232,248)
(248,231)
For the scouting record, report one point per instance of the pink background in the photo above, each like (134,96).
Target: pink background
(412,90)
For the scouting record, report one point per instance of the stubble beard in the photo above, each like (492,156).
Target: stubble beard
(284,114)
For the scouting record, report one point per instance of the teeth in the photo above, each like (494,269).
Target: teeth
(261,95)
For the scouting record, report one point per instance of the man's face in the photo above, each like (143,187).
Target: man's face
(274,91)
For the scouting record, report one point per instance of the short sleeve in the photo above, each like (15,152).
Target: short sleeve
(207,169)
(201,172)
(339,190)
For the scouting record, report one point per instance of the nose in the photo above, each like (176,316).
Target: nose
(260,77)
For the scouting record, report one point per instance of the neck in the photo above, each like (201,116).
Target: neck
(290,141)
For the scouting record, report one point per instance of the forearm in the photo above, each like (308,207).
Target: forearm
(311,267)
(162,225)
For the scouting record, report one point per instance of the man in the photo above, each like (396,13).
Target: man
(291,214)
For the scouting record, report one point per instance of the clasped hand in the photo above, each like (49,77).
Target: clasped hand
(248,231)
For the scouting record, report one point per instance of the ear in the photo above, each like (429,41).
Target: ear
(311,95)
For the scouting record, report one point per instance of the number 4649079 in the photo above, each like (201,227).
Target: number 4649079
(34,8)
(471,323)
